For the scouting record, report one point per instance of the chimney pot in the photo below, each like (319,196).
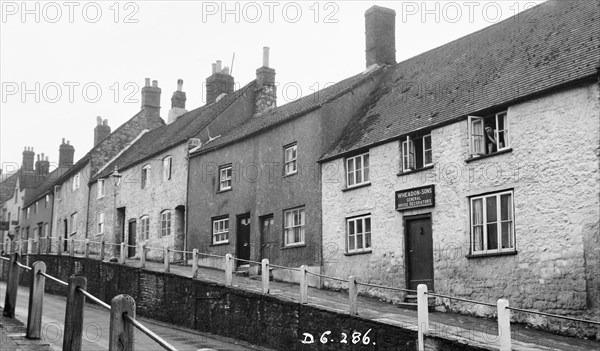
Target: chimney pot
(155,84)
(214,68)
(63,141)
(266,56)
(218,66)
(99,120)
(105,122)
(179,84)
(147,82)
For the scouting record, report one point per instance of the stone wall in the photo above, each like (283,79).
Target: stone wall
(553,171)
(231,312)
(72,201)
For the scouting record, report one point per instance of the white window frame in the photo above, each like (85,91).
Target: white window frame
(73,223)
(101,188)
(352,173)
(220,230)
(290,228)
(144,227)
(76,181)
(28,212)
(225,180)
(167,165)
(35,207)
(36,233)
(100,223)
(46,230)
(47,200)
(352,234)
(58,192)
(477,137)
(290,158)
(145,176)
(499,222)
(166,223)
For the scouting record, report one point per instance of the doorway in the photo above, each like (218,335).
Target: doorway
(419,251)
(266,237)
(65,235)
(132,235)
(243,239)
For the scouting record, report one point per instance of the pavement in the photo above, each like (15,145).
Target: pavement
(12,336)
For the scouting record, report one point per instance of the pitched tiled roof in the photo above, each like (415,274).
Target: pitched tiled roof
(45,187)
(163,138)
(552,44)
(283,113)
(7,186)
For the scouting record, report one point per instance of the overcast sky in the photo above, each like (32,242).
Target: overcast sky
(64,63)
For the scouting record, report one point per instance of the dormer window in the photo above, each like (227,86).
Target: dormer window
(416,152)
(488,135)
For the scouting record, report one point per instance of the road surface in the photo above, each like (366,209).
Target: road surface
(95,328)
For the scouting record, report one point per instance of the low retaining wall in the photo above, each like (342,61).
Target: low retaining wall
(231,312)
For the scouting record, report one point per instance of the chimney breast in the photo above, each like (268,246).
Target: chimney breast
(42,166)
(65,154)
(28,158)
(266,91)
(380,28)
(177,103)
(101,131)
(151,99)
(218,83)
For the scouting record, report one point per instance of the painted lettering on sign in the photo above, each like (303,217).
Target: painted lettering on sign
(415,198)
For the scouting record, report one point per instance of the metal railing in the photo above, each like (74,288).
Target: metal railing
(122,308)
(502,305)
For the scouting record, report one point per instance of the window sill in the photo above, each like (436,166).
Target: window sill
(293,246)
(356,186)
(289,174)
(471,159)
(415,170)
(494,254)
(224,191)
(220,244)
(358,253)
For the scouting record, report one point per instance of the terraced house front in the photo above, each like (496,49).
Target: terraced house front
(474,169)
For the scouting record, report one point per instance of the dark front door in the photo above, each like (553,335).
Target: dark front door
(266,237)
(243,238)
(132,236)
(419,252)
(66,234)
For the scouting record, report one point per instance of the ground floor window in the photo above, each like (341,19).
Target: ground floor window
(144,227)
(492,224)
(165,223)
(294,221)
(220,230)
(358,234)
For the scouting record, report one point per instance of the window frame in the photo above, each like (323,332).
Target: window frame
(58,192)
(364,248)
(408,152)
(46,229)
(477,134)
(76,181)
(101,188)
(167,168)
(354,172)
(47,200)
(100,223)
(225,179)
(294,149)
(145,227)
(301,226)
(166,228)
(498,222)
(145,176)
(73,223)
(224,231)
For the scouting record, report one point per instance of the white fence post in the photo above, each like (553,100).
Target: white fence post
(195,263)
(228,269)
(504,325)
(422,314)
(167,260)
(36,300)
(142,255)
(87,249)
(303,285)
(122,256)
(264,270)
(102,249)
(72,246)
(353,295)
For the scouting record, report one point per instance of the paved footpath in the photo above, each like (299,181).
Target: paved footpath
(12,337)
(476,331)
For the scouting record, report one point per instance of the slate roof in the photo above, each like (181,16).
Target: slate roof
(163,138)
(550,45)
(281,114)
(45,187)
(7,186)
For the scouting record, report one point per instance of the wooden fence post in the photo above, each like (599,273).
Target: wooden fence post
(504,325)
(303,285)
(353,295)
(10,300)
(38,246)
(228,269)
(74,313)
(122,256)
(121,332)
(36,300)
(422,315)
(167,260)
(72,240)
(102,250)
(143,255)
(264,270)
(195,263)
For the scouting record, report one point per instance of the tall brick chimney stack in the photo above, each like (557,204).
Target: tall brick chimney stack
(66,152)
(177,103)
(42,165)
(266,91)
(151,99)
(380,28)
(101,131)
(28,158)
(220,82)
